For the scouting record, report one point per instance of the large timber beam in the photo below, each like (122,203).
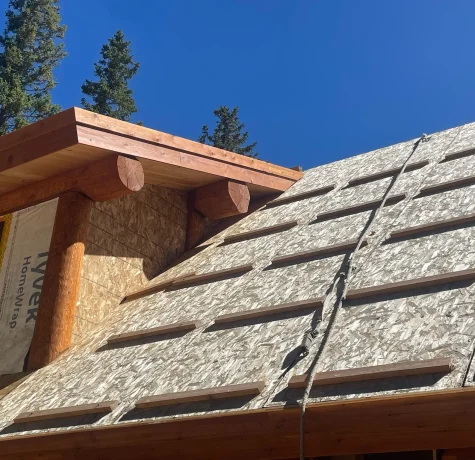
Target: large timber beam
(104,180)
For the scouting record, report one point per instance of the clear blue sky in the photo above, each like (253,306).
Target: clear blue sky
(315,80)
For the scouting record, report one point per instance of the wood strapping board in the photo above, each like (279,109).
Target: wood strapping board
(259,232)
(437,225)
(387,173)
(66,412)
(446,186)
(323,251)
(211,276)
(267,311)
(224,392)
(155,288)
(369,205)
(153,332)
(457,155)
(385,371)
(300,196)
(406,285)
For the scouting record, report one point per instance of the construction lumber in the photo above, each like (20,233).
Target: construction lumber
(222,199)
(161,286)
(210,277)
(305,256)
(56,308)
(207,394)
(458,454)
(385,371)
(457,155)
(446,186)
(355,209)
(432,226)
(259,232)
(103,180)
(183,326)
(66,412)
(288,307)
(388,173)
(406,285)
(300,196)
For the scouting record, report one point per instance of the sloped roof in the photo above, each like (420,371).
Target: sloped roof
(410,325)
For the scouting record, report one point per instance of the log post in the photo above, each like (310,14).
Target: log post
(57,305)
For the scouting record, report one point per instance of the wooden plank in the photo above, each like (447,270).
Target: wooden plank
(355,209)
(55,309)
(153,332)
(385,371)
(154,288)
(224,392)
(437,225)
(259,232)
(300,196)
(65,412)
(446,186)
(300,257)
(212,276)
(272,310)
(457,155)
(458,454)
(427,281)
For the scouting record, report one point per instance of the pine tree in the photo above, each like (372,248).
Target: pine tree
(111,95)
(228,133)
(30,48)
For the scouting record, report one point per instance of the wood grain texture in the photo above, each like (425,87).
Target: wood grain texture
(446,186)
(459,454)
(457,155)
(260,232)
(385,371)
(300,196)
(57,304)
(228,391)
(428,281)
(153,332)
(64,412)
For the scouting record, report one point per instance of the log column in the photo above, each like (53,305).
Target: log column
(57,306)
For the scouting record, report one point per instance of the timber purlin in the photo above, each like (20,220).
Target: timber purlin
(66,412)
(259,232)
(446,186)
(406,285)
(305,256)
(300,196)
(385,371)
(224,392)
(182,326)
(457,155)
(272,310)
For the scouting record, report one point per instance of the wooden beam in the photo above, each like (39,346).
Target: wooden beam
(106,179)
(446,186)
(65,412)
(57,304)
(385,371)
(272,310)
(425,282)
(182,326)
(300,196)
(224,392)
(459,454)
(259,232)
(222,199)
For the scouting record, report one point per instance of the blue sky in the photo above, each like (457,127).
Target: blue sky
(315,80)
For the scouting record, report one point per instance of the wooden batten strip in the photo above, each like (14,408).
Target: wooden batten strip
(300,196)
(153,332)
(406,285)
(446,186)
(211,276)
(267,311)
(66,412)
(385,371)
(387,173)
(155,288)
(432,226)
(457,155)
(260,232)
(303,256)
(355,209)
(207,394)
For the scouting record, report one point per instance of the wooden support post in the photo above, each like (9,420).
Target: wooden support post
(57,305)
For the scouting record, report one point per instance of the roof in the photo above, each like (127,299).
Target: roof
(402,325)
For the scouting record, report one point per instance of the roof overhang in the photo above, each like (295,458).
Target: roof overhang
(416,421)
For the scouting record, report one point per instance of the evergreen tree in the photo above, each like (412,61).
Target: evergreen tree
(30,48)
(228,133)
(111,95)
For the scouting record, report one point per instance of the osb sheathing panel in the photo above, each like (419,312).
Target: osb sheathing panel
(433,323)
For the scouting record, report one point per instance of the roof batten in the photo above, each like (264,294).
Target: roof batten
(446,186)
(457,155)
(300,196)
(259,232)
